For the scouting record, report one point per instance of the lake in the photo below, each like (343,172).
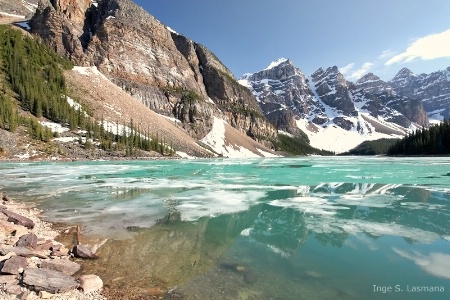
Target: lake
(278,228)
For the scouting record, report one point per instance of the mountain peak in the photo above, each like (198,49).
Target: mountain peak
(278,62)
(369,77)
(404,73)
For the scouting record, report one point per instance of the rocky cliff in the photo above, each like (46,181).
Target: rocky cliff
(168,72)
(432,90)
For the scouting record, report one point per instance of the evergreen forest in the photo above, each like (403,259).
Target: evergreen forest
(33,87)
(434,140)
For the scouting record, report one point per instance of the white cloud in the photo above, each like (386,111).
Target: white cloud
(346,69)
(426,48)
(437,264)
(386,54)
(356,74)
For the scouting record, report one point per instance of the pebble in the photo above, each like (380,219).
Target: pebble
(30,261)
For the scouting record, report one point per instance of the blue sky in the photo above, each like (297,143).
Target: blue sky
(358,36)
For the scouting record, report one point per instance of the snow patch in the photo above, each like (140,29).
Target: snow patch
(276,63)
(216,137)
(216,140)
(54,127)
(11,15)
(285,133)
(88,71)
(171,30)
(246,83)
(267,154)
(30,6)
(435,116)
(67,139)
(185,155)
(335,138)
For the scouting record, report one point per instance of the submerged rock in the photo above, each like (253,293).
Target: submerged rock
(250,277)
(82,251)
(90,283)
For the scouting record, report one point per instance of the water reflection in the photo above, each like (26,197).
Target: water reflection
(273,234)
(437,264)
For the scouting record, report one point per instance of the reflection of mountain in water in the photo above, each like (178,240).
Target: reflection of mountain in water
(331,212)
(174,251)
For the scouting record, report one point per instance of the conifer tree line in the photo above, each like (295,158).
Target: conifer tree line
(35,74)
(434,140)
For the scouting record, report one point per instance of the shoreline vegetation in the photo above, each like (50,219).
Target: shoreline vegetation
(34,265)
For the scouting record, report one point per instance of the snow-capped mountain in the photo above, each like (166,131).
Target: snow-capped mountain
(336,114)
(433,90)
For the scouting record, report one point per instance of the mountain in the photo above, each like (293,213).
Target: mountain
(20,9)
(433,90)
(337,114)
(167,72)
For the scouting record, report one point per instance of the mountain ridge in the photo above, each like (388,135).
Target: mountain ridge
(370,106)
(168,72)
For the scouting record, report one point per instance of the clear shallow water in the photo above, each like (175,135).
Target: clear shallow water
(303,228)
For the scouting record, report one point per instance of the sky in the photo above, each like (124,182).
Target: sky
(357,36)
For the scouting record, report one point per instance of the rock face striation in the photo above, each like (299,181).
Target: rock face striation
(370,105)
(168,72)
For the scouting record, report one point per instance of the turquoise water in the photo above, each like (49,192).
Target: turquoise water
(282,228)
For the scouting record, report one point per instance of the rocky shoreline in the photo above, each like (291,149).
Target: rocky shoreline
(33,265)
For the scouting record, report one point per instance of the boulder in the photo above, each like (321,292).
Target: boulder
(45,295)
(17,219)
(63,265)
(14,265)
(8,279)
(49,280)
(27,240)
(82,251)
(46,245)
(90,283)
(22,251)
(12,229)
(5,198)
(13,289)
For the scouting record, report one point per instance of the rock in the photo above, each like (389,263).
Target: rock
(18,219)
(240,269)
(172,79)
(8,279)
(154,291)
(14,265)
(47,245)
(45,295)
(27,240)
(82,251)
(90,283)
(7,256)
(22,251)
(16,230)
(63,265)
(13,289)
(49,280)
